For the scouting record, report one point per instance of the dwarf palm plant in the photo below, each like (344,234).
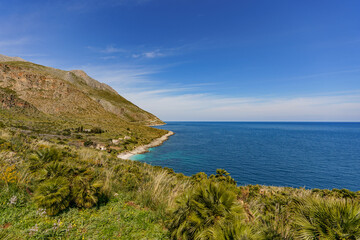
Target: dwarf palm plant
(237,231)
(317,218)
(85,191)
(203,212)
(44,156)
(53,195)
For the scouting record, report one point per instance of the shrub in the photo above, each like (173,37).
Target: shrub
(97,130)
(88,143)
(78,136)
(85,193)
(53,195)
(66,132)
(205,211)
(236,230)
(223,176)
(8,174)
(317,218)
(44,156)
(198,177)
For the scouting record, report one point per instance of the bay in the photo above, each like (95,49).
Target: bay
(297,154)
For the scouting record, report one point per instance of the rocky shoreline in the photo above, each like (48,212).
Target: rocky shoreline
(145,148)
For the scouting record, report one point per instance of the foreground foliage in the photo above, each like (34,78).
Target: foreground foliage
(318,218)
(51,191)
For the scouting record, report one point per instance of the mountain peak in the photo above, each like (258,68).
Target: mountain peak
(4,58)
(92,82)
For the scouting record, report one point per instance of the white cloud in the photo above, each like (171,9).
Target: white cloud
(111,49)
(151,54)
(185,102)
(211,107)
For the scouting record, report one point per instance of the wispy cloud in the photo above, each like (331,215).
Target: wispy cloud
(112,49)
(159,52)
(90,5)
(4,43)
(143,52)
(213,107)
(191,102)
(123,76)
(152,54)
(108,57)
(323,74)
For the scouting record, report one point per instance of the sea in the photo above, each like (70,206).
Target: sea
(296,154)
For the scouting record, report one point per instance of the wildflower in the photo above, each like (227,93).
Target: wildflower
(33,230)
(41,211)
(57,225)
(69,227)
(13,200)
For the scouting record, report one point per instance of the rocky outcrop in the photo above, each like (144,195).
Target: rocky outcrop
(10,101)
(50,95)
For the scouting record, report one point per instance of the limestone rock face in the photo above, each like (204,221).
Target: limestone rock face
(67,93)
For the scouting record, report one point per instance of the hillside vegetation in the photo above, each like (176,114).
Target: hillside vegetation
(52,191)
(70,107)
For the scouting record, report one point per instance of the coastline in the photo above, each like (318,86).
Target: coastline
(145,148)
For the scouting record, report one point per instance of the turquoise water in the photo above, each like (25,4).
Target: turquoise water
(311,155)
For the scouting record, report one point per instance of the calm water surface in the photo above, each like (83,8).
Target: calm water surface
(311,155)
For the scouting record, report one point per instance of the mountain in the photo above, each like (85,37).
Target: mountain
(34,96)
(25,77)
(4,58)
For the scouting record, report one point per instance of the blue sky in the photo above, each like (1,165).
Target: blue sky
(202,59)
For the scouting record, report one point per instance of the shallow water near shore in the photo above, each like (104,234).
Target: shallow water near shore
(311,155)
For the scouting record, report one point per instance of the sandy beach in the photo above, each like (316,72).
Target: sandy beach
(145,148)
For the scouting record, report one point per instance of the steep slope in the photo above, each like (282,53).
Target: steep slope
(103,94)
(45,100)
(113,102)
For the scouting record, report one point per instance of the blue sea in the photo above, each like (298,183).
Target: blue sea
(311,155)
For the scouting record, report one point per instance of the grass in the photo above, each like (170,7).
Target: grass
(118,219)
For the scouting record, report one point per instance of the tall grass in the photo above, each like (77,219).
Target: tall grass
(161,190)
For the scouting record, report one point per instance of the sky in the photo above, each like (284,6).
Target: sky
(202,60)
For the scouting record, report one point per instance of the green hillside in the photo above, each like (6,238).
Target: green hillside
(53,191)
(70,107)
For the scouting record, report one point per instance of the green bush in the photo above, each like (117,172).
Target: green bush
(41,157)
(202,213)
(88,143)
(85,191)
(53,195)
(317,218)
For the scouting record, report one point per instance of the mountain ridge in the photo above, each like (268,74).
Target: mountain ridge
(58,105)
(16,74)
